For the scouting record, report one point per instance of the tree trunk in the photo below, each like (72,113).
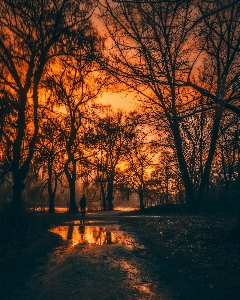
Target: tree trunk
(103,196)
(140,193)
(72,203)
(110,195)
(51,203)
(17,190)
(189,189)
(71,177)
(166,186)
(18,170)
(51,193)
(206,174)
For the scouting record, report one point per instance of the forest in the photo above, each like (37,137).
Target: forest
(136,105)
(180,62)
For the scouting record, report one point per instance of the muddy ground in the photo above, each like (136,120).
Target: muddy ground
(114,255)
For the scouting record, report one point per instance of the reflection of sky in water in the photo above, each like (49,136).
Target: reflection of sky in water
(78,222)
(91,234)
(77,233)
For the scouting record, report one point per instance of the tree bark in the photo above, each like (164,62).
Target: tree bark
(206,174)
(17,170)
(17,190)
(72,204)
(141,199)
(110,195)
(189,189)
(51,192)
(51,203)
(103,196)
(71,177)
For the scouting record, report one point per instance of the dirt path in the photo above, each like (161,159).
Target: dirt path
(100,260)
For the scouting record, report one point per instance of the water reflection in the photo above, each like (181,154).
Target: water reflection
(97,235)
(78,222)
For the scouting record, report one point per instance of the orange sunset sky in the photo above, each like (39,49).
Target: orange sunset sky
(118,100)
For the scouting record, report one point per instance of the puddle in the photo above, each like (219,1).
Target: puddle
(84,222)
(97,235)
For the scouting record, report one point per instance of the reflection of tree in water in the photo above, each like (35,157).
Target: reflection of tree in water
(108,238)
(81,234)
(70,232)
(97,235)
(100,237)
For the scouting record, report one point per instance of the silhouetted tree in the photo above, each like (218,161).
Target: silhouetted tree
(111,139)
(32,34)
(225,164)
(159,49)
(139,161)
(75,84)
(49,155)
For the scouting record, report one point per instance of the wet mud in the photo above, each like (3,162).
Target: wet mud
(107,255)
(97,260)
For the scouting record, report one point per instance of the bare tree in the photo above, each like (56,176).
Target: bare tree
(75,84)
(111,138)
(32,34)
(139,161)
(221,52)
(225,164)
(49,155)
(160,50)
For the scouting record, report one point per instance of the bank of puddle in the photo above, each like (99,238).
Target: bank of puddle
(84,232)
(91,232)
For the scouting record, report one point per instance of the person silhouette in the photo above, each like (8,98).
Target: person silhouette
(82,204)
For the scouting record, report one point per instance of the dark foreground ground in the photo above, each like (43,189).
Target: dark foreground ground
(162,255)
